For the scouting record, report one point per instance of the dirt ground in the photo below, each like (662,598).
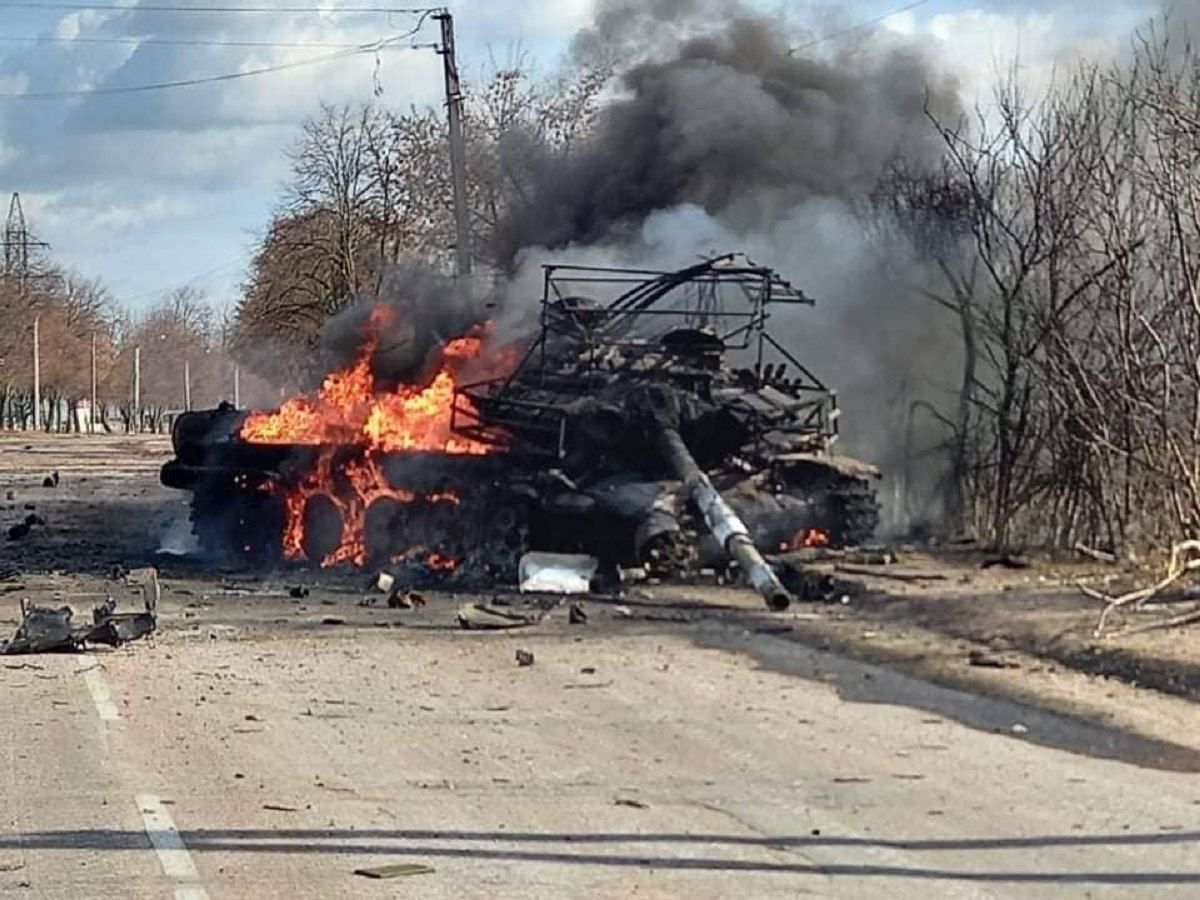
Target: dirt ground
(683,740)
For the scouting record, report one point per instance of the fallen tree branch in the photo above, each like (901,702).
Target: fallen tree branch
(1099,555)
(1186,618)
(1179,565)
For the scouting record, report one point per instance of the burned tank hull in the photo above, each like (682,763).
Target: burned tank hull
(655,426)
(589,396)
(442,516)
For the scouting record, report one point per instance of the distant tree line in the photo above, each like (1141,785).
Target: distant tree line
(179,338)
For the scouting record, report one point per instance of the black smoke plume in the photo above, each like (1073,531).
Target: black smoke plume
(714,111)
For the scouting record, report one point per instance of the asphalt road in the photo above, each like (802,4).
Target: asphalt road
(666,760)
(671,750)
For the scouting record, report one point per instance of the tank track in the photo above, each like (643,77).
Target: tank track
(486,540)
(851,511)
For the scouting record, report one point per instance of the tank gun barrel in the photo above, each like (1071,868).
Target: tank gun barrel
(729,530)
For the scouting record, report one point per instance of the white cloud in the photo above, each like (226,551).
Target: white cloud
(68,27)
(981,47)
(96,213)
(188,172)
(192,171)
(542,19)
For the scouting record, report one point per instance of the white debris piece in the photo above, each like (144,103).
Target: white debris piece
(557,573)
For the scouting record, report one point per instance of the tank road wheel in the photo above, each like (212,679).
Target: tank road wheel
(238,526)
(382,520)
(323,527)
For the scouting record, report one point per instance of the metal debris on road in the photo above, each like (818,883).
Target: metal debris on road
(396,597)
(396,871)
(48,630)
(486,618)
(626,801)
(988,661)
(383,582)
(22,529)
(524,658)
(577,615)
(405,600)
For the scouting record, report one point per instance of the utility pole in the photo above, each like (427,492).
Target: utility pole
(17,244)
(137,388)
(187,385)
(458,152)
(92,409)
(37,376)
(237,386)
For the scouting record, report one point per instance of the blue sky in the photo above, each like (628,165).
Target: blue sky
(153,191)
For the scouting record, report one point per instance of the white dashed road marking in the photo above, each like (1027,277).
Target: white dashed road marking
(173,856)
(98,688)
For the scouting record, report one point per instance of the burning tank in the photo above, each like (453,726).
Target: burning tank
(654,420)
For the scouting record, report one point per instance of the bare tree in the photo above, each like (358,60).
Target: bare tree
(371,189)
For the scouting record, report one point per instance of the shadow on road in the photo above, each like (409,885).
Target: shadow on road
(492,846)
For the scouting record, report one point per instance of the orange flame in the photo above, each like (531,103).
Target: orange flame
(350,409)
(806,537)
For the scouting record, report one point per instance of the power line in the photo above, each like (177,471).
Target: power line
(213,79)
(223,267)
(853,29)
(108,7)
(170,42)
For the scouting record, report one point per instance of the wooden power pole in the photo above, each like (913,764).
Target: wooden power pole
(37,376)
(458,150)
(137,388)
(92,410)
